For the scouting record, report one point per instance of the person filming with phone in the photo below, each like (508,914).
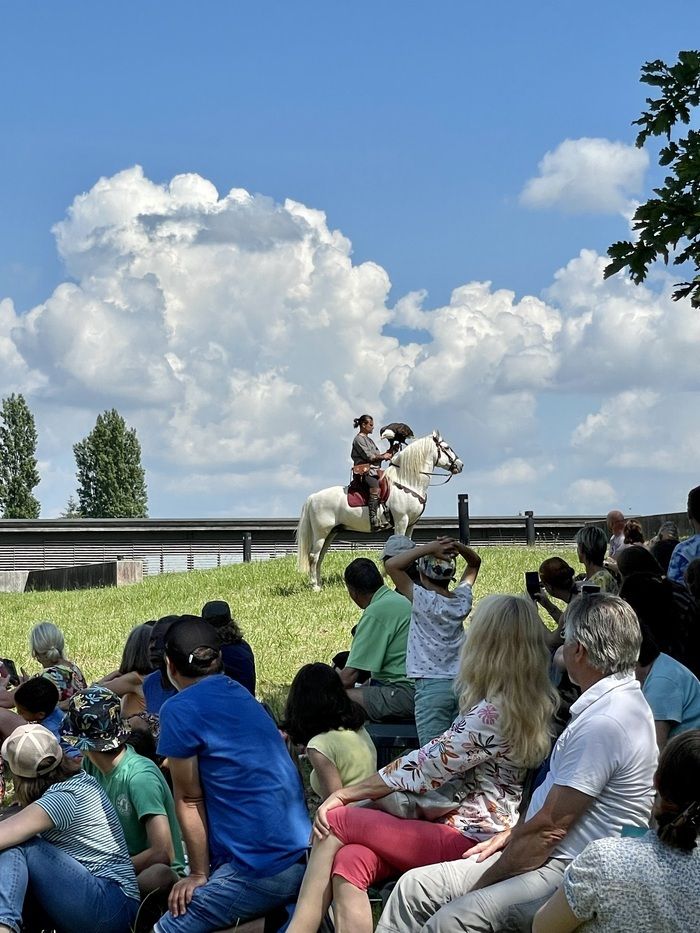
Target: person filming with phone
(554,579)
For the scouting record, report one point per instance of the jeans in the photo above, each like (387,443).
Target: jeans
(230,897)
(436,707)
(73,899)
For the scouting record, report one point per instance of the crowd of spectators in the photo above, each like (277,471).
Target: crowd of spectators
(556,784)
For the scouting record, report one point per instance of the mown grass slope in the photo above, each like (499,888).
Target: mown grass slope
(286,623)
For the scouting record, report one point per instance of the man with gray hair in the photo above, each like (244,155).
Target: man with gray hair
(615,521)
(600,780)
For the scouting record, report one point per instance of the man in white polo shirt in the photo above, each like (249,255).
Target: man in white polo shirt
(600,780)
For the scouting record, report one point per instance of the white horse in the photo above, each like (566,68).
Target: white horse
(326,512)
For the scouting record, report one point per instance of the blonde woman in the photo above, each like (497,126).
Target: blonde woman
(47,646)
(506,705)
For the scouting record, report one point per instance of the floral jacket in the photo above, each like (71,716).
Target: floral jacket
(473,752)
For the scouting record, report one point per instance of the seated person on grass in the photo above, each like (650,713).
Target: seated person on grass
(37,701)
(134,784)
(379,645)
(64,864)
(436,634)
(600,780)
(48,647)
(236,653)
(321,717)
(135,666)
(238,796)
(152,690)
(670,689)
(648,883)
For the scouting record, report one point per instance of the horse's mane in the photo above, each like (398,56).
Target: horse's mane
(409,462)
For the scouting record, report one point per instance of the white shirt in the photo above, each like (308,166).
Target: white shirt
(635,886)
(437,631)
(616,544)
(609,752)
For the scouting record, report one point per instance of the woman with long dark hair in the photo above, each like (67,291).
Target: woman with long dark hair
(320,715)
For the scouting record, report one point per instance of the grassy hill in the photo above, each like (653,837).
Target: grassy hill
(286,623)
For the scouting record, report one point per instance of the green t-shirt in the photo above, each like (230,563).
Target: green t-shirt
(138,790)
(379,645)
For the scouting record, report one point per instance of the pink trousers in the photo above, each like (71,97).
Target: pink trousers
(377,846)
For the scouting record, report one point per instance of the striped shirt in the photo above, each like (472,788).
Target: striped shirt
(88,829)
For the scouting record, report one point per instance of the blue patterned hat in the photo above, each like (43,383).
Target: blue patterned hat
(94,722)
(435,568)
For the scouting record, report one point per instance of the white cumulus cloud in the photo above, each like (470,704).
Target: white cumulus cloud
(240,339)
(591,495)
(588,176)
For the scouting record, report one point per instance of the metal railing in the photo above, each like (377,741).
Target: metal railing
(192,544)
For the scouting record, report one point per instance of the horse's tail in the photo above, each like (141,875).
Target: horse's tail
(303,536)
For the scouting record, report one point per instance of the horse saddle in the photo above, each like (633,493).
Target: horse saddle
(358,492)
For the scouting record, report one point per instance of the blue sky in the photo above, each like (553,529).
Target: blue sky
(414,127)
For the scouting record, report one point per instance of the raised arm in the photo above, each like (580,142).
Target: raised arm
(121,684)
(471,571)
(7,698)
(554,638)
(9,721)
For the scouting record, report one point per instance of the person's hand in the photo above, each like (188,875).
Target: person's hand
(444,548)
(543,599)
(23,676)
(182,891)
(482,850)
(321,825)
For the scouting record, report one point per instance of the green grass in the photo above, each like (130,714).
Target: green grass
(286,623)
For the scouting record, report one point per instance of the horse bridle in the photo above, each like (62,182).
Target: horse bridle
(452,458)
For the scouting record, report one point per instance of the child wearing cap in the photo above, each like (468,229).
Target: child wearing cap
(66,843)
(134,784)
(437,627)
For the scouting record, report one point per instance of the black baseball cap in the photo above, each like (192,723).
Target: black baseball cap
(217,612)
(188,634)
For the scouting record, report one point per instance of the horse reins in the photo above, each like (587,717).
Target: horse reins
(451,456)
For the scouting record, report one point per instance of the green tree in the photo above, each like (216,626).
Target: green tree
(668,225)
(72,509)
(18,471)
(111,480)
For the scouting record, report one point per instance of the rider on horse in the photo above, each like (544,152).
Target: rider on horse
(366,458)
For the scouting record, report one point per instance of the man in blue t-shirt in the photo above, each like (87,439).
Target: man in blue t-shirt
(238,796)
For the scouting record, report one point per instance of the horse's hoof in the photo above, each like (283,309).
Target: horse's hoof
(316,587)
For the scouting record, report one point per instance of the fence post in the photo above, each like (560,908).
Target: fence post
(247,547)
(463,515)
(529,528)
